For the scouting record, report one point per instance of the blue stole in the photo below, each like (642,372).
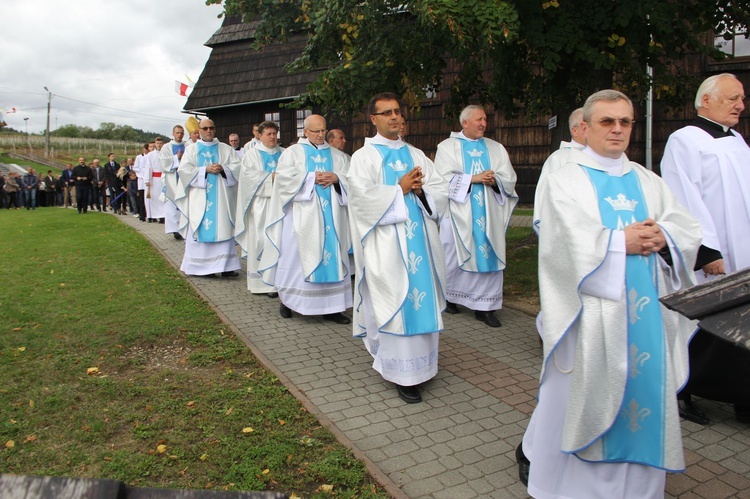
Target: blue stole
(176,148)
(207,230)
(419,309)
(476,160)
(269,160)
(320,160)
(637,434)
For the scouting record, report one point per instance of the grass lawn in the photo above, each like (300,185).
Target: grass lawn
(521,283)
(113,367)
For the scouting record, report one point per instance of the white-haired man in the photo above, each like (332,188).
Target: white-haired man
(707,166)
(305,255)
(614,239)
(481,199)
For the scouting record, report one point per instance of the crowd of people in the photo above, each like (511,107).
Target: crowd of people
(30,190)
(400,239)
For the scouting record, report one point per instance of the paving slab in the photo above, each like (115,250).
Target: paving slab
(460,441)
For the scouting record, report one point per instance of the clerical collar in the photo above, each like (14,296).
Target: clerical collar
(716,130)
(461,135)
(613,166)
(261,147)
(214,141)
(391,144)
(305,140)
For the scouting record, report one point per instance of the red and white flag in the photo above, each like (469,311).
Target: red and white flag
(180,88)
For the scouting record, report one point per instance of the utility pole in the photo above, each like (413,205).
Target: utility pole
(46,139)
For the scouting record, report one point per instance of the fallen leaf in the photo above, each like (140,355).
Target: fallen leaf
(108,459)
(294,496)
(161,449)
(16,329)
(31,403)
(52,271)
(326,488)
(250,375)
(62,284)
(92,370)
(191,403)
(21,349)
(247,430)
(30,438)
(204,457)
(13,421)
(282,422)
(229,411)
(10,444)
(266,471)
(173,456)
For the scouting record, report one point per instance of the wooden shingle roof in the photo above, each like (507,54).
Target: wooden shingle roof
(237,74)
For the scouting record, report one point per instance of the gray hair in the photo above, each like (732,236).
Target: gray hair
(575,119)
(608,95)
(710,86)
(468,111)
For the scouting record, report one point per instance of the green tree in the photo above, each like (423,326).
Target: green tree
(517,54)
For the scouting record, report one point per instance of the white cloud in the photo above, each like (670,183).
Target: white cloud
(123,54)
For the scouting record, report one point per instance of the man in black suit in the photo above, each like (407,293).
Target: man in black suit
(99,181)
(82,175)
(110,172)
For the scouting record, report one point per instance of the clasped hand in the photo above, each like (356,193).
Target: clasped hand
(215,168)
(487,177)
(326,179)
(412,181)
(644,238)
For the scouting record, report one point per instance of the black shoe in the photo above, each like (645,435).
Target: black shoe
(451,308)
(409,394)
(488,318)
(337,318)
(272,295)
(177,236)
(523,465)
(230,273)
(285,312)
(161,220)
(691,412)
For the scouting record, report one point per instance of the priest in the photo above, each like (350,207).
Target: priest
(614,239)
(397,198)
(208,175)
(481,199)
(170,155)
(707,166)
(253,199)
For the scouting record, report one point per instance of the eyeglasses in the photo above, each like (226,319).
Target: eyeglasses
(322,130)
(388,113)
(610,122)
(207,128)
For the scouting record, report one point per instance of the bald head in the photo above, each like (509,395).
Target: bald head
(207,129)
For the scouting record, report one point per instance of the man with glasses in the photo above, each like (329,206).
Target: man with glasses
(208,174)
(234,141)
(614,239)
(305,255)
(397,198)
(482,196)
(707,166)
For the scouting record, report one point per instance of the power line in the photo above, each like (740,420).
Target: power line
(112,108)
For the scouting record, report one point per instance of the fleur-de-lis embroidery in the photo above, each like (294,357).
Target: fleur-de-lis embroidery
(479,196)
(209,186)
(634,415)
(207,223)
(398,166)
(328,227)
(414,262)
(324,203)
(485,250)
(410,228)
(482,222)
(209,205)
(326,257)
(637,360)
(636,305)
(416,298)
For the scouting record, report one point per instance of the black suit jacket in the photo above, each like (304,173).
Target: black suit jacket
(111,172)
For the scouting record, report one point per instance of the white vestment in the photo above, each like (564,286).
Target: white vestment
(465,285)
(253,200)
(293,248)
(204,258)
(711,177)
(152,174)
(140,169)
(554,162)
(585,333)
(378,213)
(174,220)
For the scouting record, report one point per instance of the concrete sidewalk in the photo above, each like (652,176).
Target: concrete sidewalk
(459,442)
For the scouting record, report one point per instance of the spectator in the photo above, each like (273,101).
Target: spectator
(30,184)
(11,189)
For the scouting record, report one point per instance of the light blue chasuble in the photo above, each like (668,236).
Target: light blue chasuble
(320,160)
(269,160)
(420,306)
(208,154)
(476,160)
(637,435)
(176,148)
